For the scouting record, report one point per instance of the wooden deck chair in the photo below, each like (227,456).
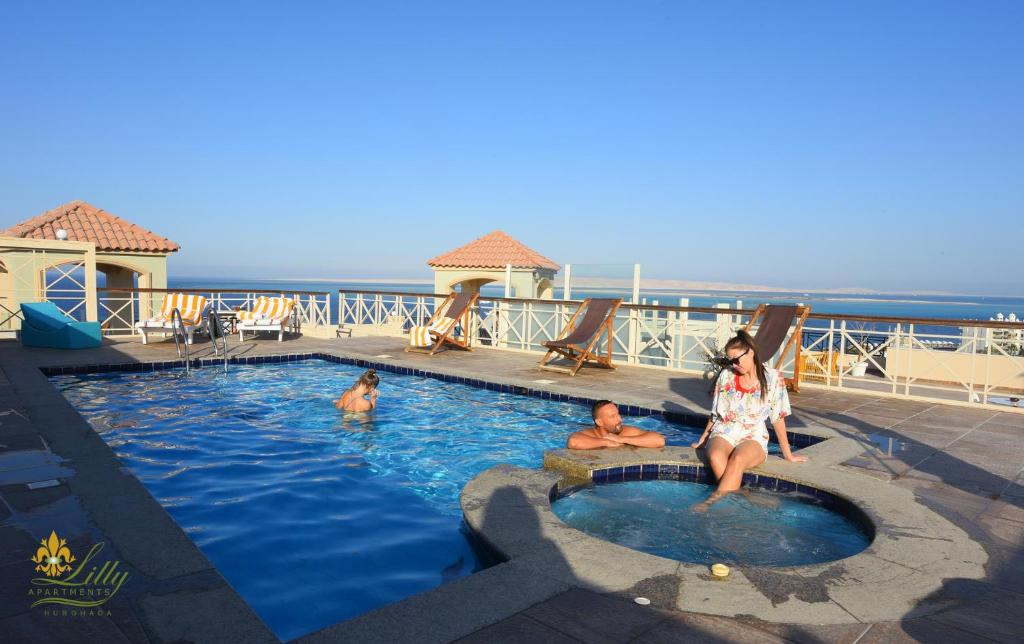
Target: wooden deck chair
(578,339)
(774,322)
(439,331)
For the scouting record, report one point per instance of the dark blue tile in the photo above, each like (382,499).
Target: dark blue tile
(749,479)
(767,483)
(599,476)
(630,470)
(668,472)
(650,471)
(785,486)
(614,474)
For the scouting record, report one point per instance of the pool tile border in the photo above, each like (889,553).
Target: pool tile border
(796,439)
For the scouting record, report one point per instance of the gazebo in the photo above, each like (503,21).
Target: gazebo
(56,256)
(495,257)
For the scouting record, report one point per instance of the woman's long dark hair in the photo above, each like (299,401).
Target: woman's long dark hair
(743,340)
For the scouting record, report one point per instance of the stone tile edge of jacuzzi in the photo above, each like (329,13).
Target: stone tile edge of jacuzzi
(913,553)
(797,439)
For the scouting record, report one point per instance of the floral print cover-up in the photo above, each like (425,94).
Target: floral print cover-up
(739,414)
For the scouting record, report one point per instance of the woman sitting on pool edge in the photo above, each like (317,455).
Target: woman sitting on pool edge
(746,395)
(354,399)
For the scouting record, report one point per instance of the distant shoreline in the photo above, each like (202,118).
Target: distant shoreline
(661,287)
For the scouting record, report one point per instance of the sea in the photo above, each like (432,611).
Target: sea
(954,307)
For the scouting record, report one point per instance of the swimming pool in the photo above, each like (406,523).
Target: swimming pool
(752,527)
(312,515)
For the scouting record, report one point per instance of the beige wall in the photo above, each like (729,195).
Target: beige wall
(27,259)
(950,366)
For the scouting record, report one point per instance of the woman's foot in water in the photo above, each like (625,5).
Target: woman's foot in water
(759,499)
(705,505)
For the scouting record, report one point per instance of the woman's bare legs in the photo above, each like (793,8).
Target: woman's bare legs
(729,464)
(747,455)
(719,450)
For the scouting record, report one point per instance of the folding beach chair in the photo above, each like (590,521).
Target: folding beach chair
(773,324)
(439,331)
(578,340)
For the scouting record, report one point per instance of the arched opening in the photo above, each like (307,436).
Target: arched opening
(120,305)
(545,289)
(472,284)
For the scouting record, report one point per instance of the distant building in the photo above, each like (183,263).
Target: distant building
(487,259)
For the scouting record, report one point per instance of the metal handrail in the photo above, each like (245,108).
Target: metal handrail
(177,324)
(213,322)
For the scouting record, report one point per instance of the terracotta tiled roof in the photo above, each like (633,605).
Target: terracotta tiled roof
(85,222)
(492,251)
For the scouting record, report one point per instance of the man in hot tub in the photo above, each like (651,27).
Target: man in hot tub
(608,431)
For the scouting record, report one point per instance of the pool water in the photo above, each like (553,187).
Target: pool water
(751,528)
(313,515)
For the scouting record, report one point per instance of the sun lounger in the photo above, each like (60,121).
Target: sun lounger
(439,331)
(191,307)
(45,325)
(773,325)
(267,314)
(578,340)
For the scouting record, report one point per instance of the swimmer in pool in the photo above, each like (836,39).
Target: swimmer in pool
(361,396)
(736,437)
(608,431)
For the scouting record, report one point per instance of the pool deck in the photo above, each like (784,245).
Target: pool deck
(966,465)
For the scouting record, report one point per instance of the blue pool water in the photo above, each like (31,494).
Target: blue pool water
(315,516)
(748,528)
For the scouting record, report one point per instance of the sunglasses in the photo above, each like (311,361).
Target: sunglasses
(736,361)
(724,361)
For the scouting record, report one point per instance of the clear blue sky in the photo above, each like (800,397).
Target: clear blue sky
(805,144)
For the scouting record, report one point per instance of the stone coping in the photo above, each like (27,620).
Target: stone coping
(899,575)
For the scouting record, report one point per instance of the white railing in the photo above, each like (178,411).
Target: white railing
(120,309)
(976,362)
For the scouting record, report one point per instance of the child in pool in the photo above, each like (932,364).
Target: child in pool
(355,398)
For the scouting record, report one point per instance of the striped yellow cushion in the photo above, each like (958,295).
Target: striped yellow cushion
(271,309)
(419,336)
(190,306)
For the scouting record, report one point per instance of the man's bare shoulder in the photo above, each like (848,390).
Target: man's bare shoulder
(586,431)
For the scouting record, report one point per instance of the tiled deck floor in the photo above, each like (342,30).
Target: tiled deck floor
(965,464)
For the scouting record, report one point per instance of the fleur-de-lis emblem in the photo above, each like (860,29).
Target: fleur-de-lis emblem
(53,556)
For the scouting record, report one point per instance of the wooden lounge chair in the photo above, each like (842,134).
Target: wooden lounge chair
(439,331)
(774,322)
(579,338)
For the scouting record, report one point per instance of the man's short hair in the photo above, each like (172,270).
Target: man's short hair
(596,407)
